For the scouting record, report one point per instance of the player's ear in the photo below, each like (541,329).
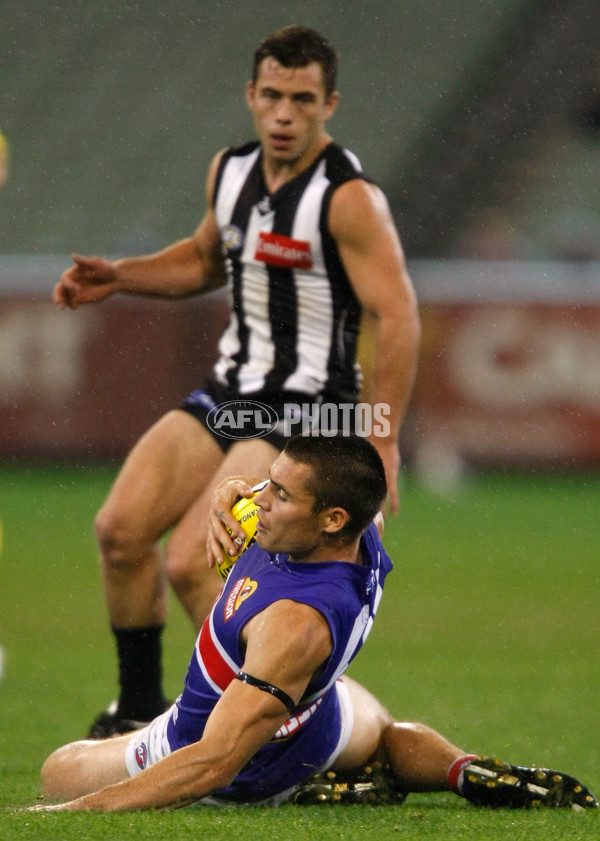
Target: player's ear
(331,104)
(250,91)
(334,520)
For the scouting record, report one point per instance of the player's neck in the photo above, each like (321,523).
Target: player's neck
(276,173)
(348,552)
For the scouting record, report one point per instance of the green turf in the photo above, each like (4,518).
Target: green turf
(488,631)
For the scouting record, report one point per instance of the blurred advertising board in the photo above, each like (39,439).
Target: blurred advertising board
(510,364)
(509,370)
(87,383)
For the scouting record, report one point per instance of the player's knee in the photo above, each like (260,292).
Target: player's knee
(195,584)
(56,773)
(185,571)
(406,734)
(118,543)
(406,729)
(49,779)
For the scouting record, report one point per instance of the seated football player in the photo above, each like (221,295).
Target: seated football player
(266,703)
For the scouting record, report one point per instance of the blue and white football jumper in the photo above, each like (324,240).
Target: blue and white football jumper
(347,595)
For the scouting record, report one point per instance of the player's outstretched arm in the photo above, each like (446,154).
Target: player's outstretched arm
(244,719)
(186,267)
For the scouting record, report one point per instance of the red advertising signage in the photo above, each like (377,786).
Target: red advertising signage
(509,370)
(86,384)
(502,383)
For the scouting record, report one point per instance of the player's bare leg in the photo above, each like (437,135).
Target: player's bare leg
(411,757)
(163,475)
(383,760)
(165,472)
(369,723)
(419,756)
(82,767)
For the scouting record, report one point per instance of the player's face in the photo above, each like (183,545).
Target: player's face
(290,109)
(286,520)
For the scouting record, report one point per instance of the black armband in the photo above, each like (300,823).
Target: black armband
(282,696)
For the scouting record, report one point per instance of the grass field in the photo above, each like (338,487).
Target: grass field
(488,631)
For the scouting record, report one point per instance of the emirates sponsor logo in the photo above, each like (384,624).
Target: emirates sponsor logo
(277,250)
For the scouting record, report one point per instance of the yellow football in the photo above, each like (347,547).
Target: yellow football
(245,512)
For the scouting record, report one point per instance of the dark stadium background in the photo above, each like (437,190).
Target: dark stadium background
(480,121)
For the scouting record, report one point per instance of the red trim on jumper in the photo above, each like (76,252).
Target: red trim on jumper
(217,668)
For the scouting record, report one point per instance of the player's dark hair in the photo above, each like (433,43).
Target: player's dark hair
(347,471)
(297,46)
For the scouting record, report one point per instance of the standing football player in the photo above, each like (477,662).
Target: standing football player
(307,243)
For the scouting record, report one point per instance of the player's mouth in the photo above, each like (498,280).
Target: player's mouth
(281,141)
(260,526)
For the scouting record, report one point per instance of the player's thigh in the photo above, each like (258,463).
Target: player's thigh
(163,474)
(245,458)
(370,720)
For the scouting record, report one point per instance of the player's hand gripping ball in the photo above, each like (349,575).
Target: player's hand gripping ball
(245,512)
